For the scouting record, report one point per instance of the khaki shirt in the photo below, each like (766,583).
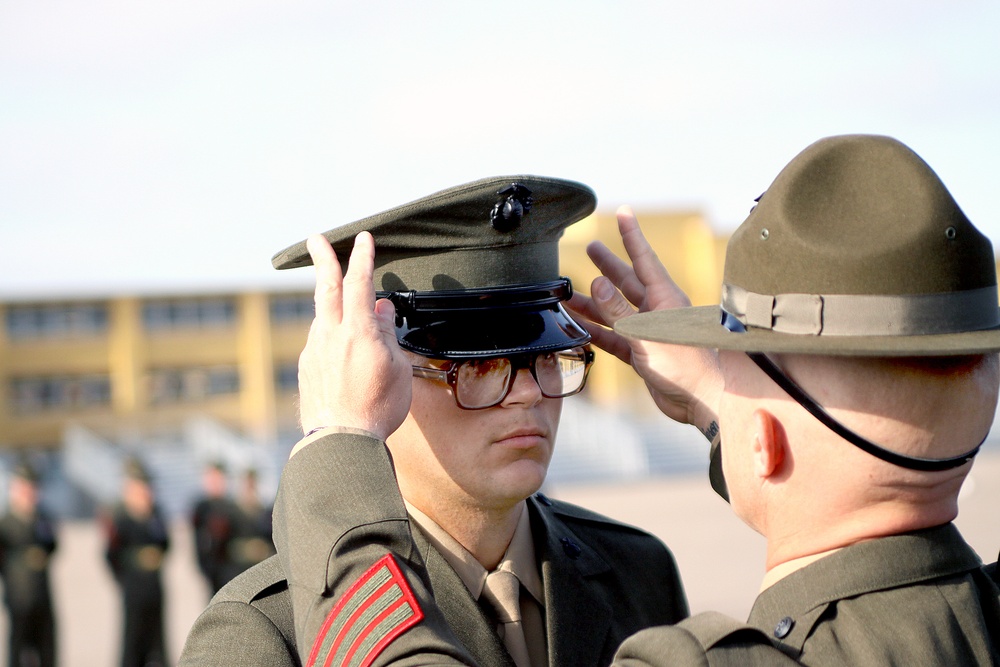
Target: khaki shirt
(519,558)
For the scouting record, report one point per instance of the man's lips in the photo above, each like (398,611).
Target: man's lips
(524,437)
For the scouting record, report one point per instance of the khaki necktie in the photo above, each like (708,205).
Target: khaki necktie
(502,590)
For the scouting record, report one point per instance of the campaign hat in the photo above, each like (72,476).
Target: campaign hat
(857,248)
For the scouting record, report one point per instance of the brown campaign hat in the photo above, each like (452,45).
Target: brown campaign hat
(856,248)
(473,270)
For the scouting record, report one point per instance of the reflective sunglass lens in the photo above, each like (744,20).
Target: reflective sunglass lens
(481,383)
(563,374)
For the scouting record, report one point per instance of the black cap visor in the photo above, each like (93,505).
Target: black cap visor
(486,322)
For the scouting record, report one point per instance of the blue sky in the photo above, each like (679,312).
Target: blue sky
(175,146)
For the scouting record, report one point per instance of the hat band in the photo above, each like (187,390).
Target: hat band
(485,298)
(863,314)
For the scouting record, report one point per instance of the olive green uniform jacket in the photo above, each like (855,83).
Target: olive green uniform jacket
(920,598)
(915,599)
(603,580)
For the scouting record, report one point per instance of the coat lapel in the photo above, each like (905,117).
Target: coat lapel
(462,612)
(577,614)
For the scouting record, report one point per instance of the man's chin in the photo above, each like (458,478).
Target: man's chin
(524,478)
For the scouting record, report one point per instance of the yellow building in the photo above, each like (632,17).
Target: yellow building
(145,364)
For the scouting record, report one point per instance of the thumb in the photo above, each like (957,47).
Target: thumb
(385,314)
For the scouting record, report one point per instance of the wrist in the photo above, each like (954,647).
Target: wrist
(320,432)
(711,431)
(704,409)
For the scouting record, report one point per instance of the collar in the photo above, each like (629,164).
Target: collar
(782,570)
(865,567)
(519,558)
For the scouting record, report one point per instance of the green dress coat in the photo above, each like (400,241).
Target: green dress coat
(921,598)
(603,580)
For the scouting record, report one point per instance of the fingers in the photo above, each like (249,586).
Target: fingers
(352,372)
(609,302)
(328,295)
(359,288)
(606,305)
(599,313)
(658,289)
(609,341)
(645,268)
(584,306)
(618,270)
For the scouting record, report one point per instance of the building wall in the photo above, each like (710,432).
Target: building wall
(134,363)
(135,373)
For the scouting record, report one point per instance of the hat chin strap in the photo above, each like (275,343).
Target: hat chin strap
(806,401)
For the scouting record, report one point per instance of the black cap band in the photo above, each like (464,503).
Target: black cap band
(509,296)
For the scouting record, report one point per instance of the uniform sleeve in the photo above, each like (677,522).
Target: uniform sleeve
(357,584)
(46,532)
(669,589)
(164,537)
(3,544)
(237,634)
(112,542)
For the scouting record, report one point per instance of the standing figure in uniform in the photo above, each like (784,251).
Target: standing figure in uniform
(847,380)
(27,540)
(489,353)
(137,540)
(251,543)
(213,522)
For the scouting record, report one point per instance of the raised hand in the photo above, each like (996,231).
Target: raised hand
(684,382)
(352,372)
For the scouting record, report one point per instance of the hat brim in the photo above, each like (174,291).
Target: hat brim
(490,332)
(700,326)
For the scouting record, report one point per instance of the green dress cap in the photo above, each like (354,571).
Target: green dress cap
(856,248)
(473,270)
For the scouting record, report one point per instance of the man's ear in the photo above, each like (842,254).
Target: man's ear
(768,444)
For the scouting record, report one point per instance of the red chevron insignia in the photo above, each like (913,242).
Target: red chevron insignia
(377,608)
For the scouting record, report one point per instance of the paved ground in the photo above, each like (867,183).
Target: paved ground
(720,559)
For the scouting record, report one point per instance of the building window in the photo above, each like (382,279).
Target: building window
(37,394)
(161,314)
(286,377)
(178,385)
(292,308)
(56,320)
